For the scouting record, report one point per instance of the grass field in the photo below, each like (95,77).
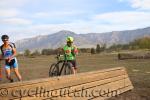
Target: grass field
(138,69)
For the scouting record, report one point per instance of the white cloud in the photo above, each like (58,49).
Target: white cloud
(106,22)
(34,30)
(52,28)
(99,23)
(12,3)
(15,21)
(8,12)
(57,14)
(133,18)
(12,19)
(139,4)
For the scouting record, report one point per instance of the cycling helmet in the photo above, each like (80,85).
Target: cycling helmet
(69,39)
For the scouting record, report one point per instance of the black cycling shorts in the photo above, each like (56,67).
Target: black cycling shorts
(73,62)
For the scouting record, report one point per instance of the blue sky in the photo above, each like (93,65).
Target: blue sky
(27,18)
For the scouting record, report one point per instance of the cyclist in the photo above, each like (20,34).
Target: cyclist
(8,53)
(70,52)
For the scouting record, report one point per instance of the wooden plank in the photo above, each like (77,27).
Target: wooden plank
(108,88)
(71,78)
(122,90)
(71,81)
(117,88)
(9,85)
(88,80)
(91,85)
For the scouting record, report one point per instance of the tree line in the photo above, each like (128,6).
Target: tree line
(141,43)
(27,52)
(96,50)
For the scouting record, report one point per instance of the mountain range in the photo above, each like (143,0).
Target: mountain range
(88,40)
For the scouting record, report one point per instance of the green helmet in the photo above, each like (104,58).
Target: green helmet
(69,39)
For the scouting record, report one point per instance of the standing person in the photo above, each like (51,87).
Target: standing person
(70,52)
(8,50)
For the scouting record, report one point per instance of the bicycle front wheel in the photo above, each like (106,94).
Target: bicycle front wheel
(67,69)
(54,70)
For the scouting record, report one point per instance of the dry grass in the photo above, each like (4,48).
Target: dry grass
(138,69)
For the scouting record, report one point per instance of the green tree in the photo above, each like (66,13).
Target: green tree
(93,51)
(36,53)
(103,48)
(142,43)
(49,52)
(27,52)
(85,50)
(98,48)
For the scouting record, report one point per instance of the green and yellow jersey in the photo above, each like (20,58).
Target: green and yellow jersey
(70,52)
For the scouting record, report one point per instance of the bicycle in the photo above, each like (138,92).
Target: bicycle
(61,67)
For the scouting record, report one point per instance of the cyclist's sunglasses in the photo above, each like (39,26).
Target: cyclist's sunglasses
(5,40)
(69,42)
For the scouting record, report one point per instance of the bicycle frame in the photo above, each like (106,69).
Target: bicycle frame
(64,62)
(59,73)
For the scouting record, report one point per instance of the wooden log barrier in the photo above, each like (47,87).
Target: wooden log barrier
(96,85)
(123,56)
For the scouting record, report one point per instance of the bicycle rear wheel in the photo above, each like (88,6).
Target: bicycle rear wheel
(54,70)
(67,69)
